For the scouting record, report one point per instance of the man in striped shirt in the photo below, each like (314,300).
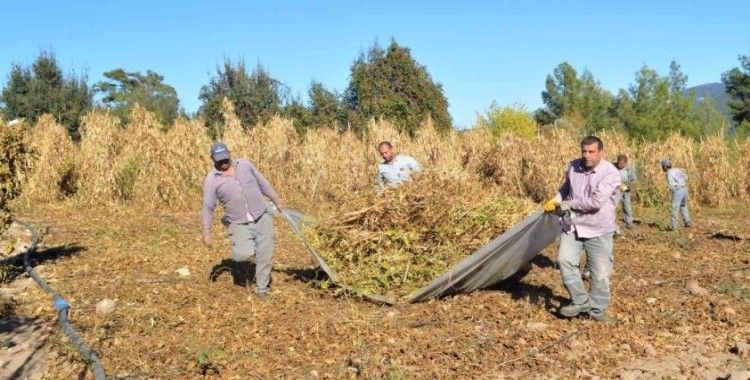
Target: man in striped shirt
(588,197)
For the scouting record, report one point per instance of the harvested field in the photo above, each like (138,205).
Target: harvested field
(166,326)
(122,207)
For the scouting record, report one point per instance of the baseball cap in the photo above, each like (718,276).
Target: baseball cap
(219,151)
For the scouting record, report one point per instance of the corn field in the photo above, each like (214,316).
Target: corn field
(145,164)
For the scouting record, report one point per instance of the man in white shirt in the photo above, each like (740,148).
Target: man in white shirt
(395,168)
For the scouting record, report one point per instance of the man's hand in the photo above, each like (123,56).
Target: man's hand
(280,207)
(565,206)
(207,239)
(624,188)
(550,205)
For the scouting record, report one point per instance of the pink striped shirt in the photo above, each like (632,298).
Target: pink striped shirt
(593,196)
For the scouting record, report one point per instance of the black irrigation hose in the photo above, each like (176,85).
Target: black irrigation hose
(61,306)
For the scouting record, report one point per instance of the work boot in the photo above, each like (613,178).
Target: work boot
(602,318)
(573,310)
(264,296)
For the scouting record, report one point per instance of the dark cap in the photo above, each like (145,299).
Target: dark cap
(219,151)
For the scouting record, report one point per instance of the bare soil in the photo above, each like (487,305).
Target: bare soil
(210,324)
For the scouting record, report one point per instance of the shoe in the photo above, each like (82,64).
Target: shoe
(629,226)
(573,310)
(602,318)
(263,296)
(688,225)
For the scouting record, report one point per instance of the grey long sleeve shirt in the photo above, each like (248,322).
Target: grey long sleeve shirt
(241,195)
(676,178)
(627,175)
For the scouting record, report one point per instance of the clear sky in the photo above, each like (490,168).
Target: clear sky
(480,51)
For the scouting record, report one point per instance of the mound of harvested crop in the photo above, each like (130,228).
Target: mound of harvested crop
(398,241)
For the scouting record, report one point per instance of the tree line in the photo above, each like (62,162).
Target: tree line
(384,82)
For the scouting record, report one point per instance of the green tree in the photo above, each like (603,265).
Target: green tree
(655,106)
(301,116)
(392,84)
(510,119)
(579,99)
(708,119)
(737,83)
(256,96)
(42,88)
(123,90)
(327,108)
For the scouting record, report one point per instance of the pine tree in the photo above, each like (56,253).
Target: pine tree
(256,96)
(124,90)
(392,84)
(42,88)
(737,82)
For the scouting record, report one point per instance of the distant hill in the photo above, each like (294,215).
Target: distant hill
(715,91)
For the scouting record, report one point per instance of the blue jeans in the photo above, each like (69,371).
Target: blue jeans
(680,203)
(627,208)
(599,259)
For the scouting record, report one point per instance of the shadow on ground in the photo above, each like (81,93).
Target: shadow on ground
(11,268)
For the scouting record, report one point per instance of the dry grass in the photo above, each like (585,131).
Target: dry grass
(145,163)
(713,172)
(14,166)
(54,175)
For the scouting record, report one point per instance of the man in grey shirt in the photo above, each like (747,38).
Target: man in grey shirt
(627,176)
(240,188)
(395,168)
(677,180)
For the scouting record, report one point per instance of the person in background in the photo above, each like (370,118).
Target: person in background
(677,181)
(395,168)
(628,178)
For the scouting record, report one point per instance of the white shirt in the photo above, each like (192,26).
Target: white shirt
(397,171)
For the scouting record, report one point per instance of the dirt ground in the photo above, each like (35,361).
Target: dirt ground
(681,302)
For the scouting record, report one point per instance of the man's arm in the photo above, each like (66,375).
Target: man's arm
(601,194)
(632,177)
(209,203)
(265,187)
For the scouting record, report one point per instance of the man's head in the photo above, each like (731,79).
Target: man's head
(622,161)
(221,156)
(386,151)
(666,164)
(592,148)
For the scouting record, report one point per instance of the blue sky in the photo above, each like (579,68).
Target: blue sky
(480,51)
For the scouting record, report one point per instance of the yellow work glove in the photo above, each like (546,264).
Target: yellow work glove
(550,205)
(624,188)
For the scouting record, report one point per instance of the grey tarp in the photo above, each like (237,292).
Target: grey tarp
(496,261)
